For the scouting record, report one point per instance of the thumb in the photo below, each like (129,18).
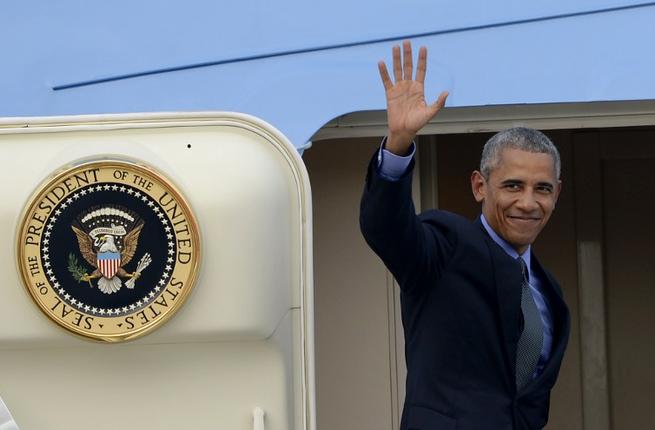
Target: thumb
(439,104)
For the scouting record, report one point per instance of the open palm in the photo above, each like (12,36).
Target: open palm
(407,111)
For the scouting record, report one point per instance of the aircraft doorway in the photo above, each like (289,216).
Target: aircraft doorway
(598,245)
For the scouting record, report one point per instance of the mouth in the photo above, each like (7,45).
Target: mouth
(524,219)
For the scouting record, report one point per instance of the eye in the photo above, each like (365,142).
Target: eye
(544,189)
(512,186)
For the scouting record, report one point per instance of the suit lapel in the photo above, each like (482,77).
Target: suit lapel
(560,317)
(507,277)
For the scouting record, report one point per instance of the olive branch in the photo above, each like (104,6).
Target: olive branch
(75,268)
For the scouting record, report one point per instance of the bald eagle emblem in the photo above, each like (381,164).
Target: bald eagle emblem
(108,237)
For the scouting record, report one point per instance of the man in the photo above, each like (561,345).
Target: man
(485,325)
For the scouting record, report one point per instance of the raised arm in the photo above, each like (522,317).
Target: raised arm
(407,111)
(410,248)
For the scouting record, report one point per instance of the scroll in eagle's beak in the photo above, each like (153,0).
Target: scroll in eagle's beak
(100,240)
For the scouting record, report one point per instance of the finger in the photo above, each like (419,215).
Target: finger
(421,65)
(397,72)
(439,104)
(407,61)
(384,75)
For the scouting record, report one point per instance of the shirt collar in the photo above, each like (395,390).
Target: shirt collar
(509,250)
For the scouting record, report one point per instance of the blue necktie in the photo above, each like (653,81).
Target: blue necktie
(532,338)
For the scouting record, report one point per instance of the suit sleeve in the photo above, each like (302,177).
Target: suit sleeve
(415,250)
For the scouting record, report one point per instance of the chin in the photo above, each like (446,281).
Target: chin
(520,241)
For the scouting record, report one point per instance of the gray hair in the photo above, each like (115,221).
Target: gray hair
(523,138)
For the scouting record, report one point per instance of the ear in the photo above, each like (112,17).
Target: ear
(478,186)
(558,190)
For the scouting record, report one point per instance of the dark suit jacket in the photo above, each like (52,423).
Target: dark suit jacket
(461,313)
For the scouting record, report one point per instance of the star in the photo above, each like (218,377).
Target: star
(49,272)
(114,187)
(102,311)
(83,192)
(168,267)
(87,307)
(69,200)
(57,212)
(156,209)
(47,234)
(130,191)
(56,285)
(73,301)
(122,188)
(67,296)
(137,194)
(46,257)
(99,188)
(169,236)
(169,260)
(61,291)
(157,289)
(152,294)
(46,241)
(139,303)
(167,228)
(150,203)
(94,310)
(144,198)
(76,196)
(160,215)
(64,205)
(124,308)
(170,244)
(162,282)
(132,306)
(47,264)
(171,252)
(106,187)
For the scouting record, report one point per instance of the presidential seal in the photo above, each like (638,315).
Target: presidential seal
(108,249)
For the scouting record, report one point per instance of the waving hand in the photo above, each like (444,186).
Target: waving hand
(407,111)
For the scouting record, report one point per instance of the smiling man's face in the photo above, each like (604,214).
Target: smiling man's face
(519,196)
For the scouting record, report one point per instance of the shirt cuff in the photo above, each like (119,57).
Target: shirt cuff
(391,166)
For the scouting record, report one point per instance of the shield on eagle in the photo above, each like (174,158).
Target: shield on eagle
(108,263)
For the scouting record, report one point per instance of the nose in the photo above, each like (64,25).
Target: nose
(527,201)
